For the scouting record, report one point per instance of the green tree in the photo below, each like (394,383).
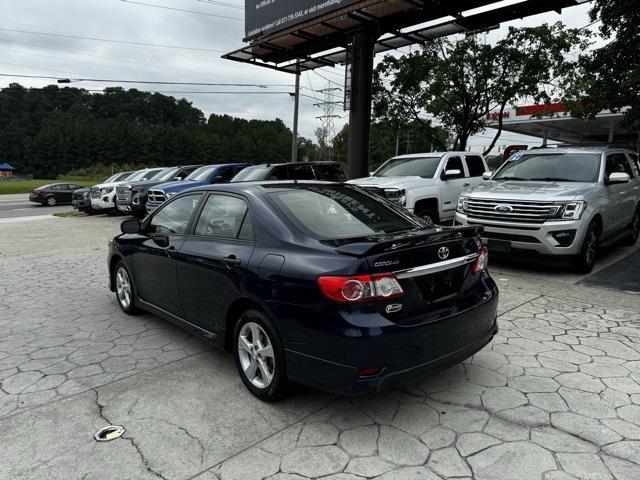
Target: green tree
(609,76)
(459,82)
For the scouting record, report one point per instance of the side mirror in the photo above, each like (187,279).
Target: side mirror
(618,177)
(487,175)
(131,226)
(449,174)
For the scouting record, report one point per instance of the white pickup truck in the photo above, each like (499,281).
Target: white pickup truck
(427,184)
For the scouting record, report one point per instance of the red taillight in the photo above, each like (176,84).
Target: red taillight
(361,288)
(482,261)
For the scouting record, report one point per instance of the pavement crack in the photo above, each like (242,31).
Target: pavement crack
(186,432)
(145,461)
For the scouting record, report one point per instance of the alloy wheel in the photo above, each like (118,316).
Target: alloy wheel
(592,245)
(635,226)
(51,201)
(123,287)
(256,356)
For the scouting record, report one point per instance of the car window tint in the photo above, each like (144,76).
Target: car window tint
(226,174)
(173,218)
(58,187)
(330,172)
(336,211)
(475,165)
(221,217)
(618,163)
(455,163)
(301,172)
(280,173)
(246,232)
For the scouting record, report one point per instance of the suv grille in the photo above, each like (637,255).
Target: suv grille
(521,211)
(156,196)
(123,194)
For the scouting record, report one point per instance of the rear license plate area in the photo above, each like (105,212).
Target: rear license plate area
(440,286)
(499,246)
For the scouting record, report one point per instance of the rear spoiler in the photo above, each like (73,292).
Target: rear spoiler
(386,243)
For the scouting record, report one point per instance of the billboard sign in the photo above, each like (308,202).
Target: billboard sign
(268,16)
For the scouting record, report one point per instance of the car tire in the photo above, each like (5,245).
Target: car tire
(125,289)
(589,249)
(428,216)
(259,356)
(50,201)
(634,229)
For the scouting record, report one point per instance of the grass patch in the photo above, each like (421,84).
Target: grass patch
(25,186)
(68,214)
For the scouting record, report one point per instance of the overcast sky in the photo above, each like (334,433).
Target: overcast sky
(217,28)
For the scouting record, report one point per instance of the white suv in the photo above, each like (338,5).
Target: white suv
(103,196)
(427,184)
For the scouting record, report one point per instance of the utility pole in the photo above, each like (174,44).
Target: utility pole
(327,130)
(296,107)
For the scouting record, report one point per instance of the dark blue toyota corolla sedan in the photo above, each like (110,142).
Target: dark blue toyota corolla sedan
(318,283)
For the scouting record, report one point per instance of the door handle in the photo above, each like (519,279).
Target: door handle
(231,261)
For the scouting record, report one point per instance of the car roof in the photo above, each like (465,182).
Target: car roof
(578,149)
(432,154)
(269,165)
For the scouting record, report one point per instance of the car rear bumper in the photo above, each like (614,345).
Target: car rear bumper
(528,238)
(404,353)
(36,199)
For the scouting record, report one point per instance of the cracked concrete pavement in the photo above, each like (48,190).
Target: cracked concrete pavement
(555,396)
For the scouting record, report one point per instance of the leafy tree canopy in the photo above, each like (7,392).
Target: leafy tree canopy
(51,131)
(460,81)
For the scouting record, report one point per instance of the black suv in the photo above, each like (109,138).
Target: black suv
(329,171)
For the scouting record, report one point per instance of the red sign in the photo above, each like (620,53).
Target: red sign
(495,116)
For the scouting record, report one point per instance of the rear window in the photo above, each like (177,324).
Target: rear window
(333,212)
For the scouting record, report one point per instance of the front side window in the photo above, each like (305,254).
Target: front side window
(475,165)
(173,218)
(424,167)
(455,163)
(280,173)
(59,187)
(334,212)
(222,217)
(551,167)
(618,163)
(301,172)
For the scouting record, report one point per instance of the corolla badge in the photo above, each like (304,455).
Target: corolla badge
(443,253)
(504,209)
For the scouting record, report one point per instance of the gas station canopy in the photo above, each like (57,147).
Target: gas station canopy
(554,123)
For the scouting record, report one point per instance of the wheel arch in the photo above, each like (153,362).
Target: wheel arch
(235,308)
(113,261)
(430,203)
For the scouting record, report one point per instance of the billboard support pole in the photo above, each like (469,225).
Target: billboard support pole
(360,103)
(296,108)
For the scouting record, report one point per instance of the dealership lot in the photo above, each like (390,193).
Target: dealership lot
(555,396)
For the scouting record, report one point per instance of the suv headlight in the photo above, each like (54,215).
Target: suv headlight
(571,210)
(106,191)
(462,204)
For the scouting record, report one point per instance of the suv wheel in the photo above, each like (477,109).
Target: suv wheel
(125,292)
(259,356)
(634,228)
(51,201)
(428,216)
(587,256)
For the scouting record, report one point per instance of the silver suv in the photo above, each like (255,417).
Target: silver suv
(558,201)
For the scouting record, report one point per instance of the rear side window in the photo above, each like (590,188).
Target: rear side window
(330,172)
(339,212)
(618,163)
(173,218)
(226,174)
(222,217)
(475,165)
(455,163)
(301,172)
(59,187)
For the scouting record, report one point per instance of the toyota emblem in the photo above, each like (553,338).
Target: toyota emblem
(443,253)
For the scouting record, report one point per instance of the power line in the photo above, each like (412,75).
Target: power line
(155,5)
(222,4)
(149,82)
(122,42)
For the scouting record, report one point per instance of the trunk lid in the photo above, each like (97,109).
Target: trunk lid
(434,268)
